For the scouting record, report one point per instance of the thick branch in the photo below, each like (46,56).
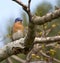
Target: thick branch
(18,46)
(47,39)
(30,37)
(46,18)
(11,49)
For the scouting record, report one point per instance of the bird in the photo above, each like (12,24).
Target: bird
(18,29)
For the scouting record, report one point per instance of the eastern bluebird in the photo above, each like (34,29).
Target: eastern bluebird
(18,29)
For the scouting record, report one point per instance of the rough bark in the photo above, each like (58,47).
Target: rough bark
(46,18)
(18,46)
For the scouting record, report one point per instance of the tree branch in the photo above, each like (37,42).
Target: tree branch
(23,61)
(21,3)
(29,1)
(26,8)
(9,60)
(46,18)
(18,46)
(11,49)
(18,59)
(47,39)
(49,56)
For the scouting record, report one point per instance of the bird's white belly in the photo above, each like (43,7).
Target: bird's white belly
(17,35)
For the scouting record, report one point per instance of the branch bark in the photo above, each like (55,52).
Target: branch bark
(11,49)
(49,56)
(46,18)
(18,59)
(9,60)
(18,46)
(47,39)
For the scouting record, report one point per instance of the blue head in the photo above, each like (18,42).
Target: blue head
(18,19)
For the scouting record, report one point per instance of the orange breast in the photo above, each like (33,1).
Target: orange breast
(18,26)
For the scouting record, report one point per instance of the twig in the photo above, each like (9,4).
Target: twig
(49,56)
(29,1)
(9,60)
(28,58)
(18,59)
(22,4)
